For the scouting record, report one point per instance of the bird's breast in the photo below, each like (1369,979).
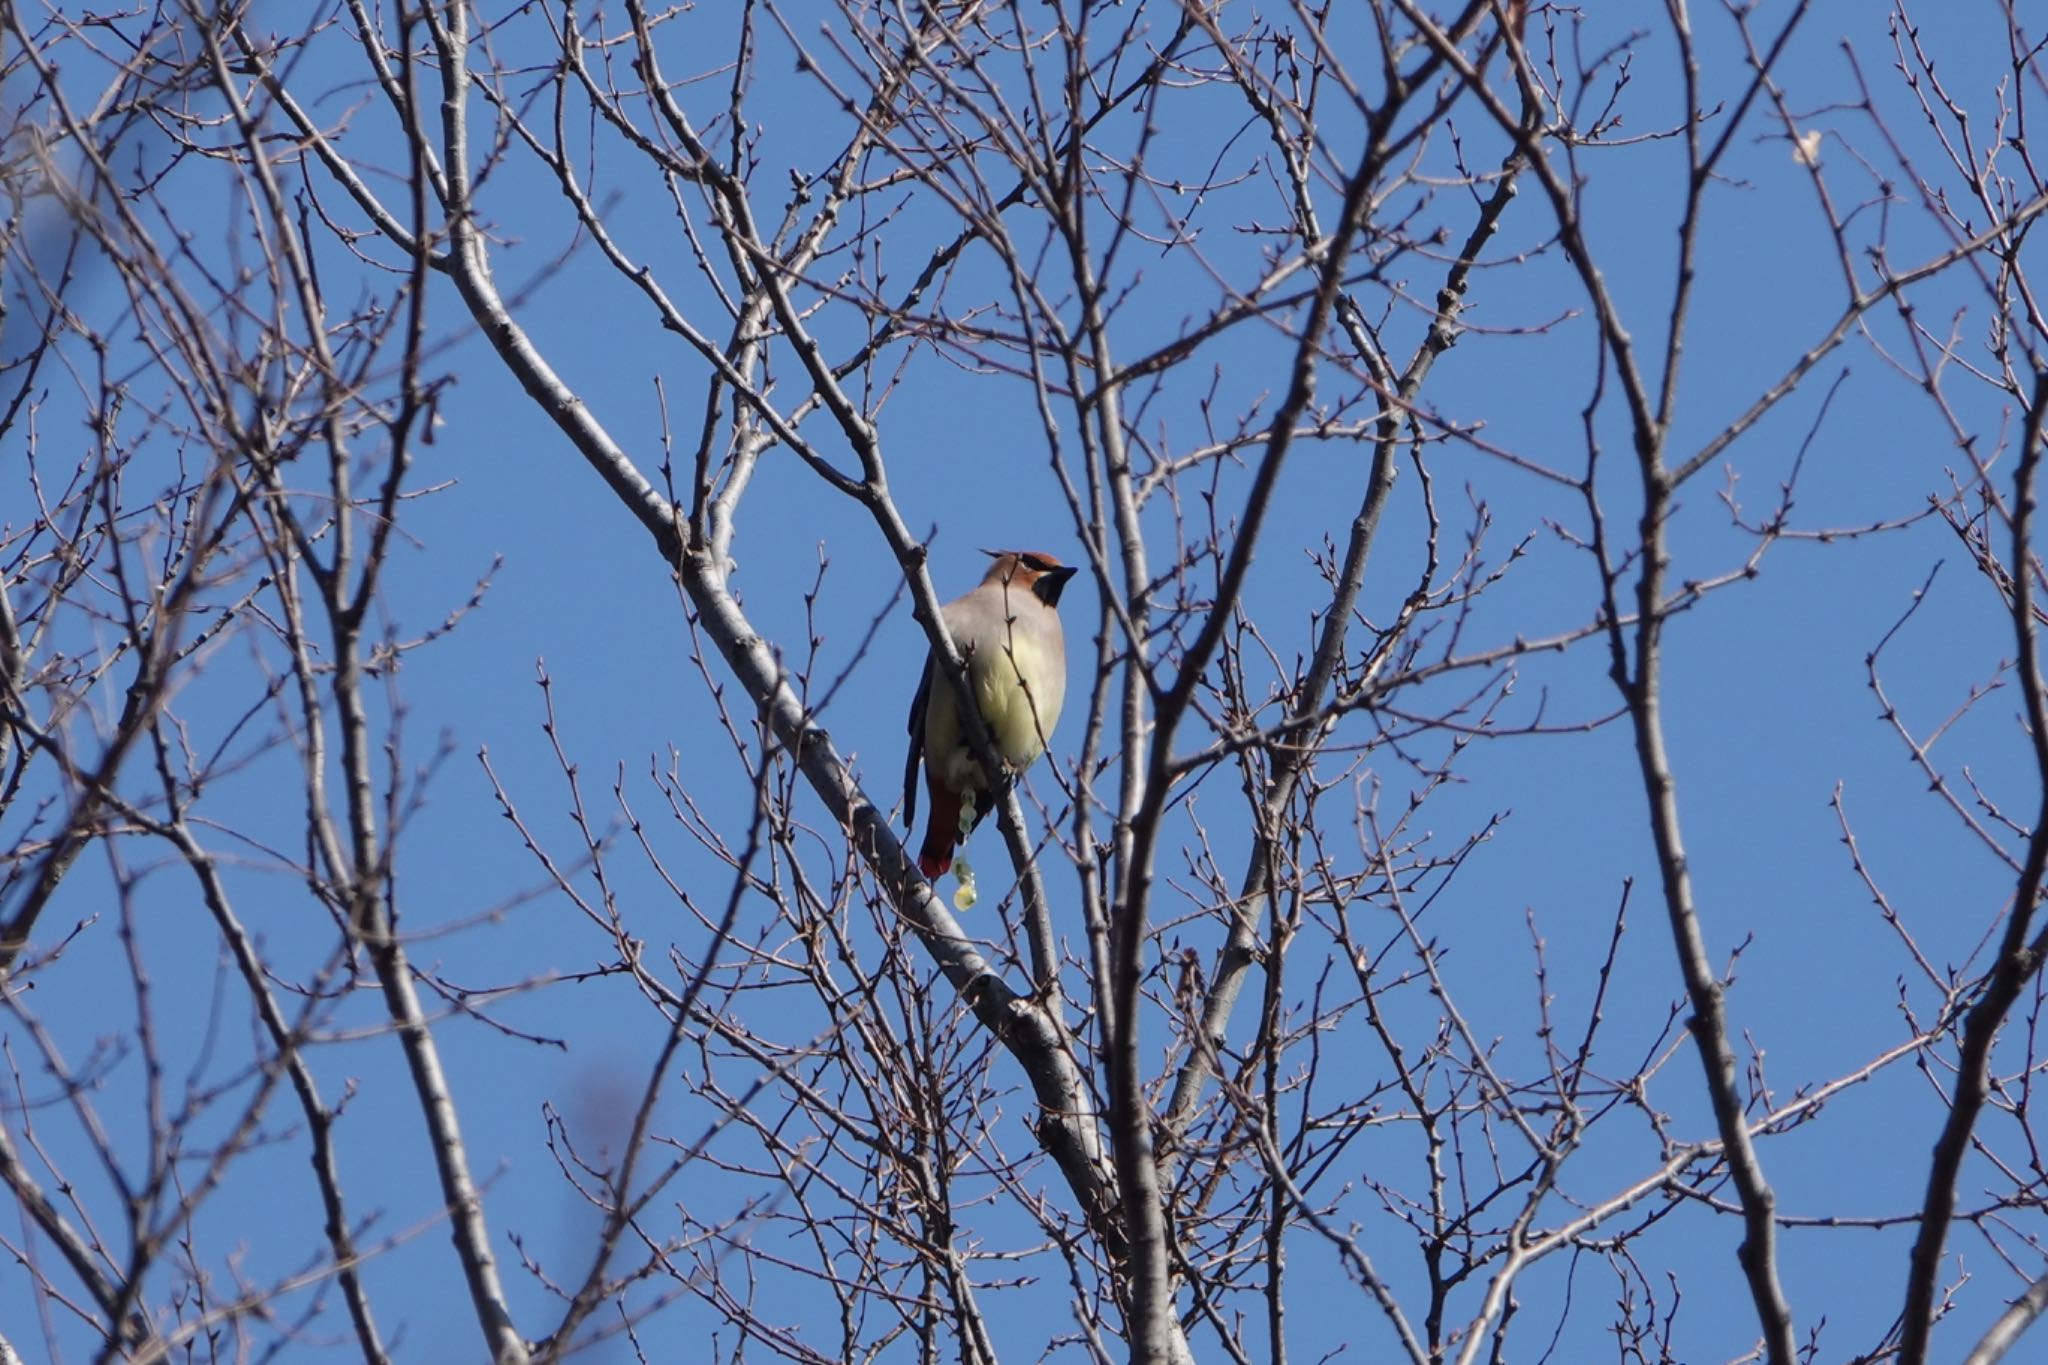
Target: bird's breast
(1019,690)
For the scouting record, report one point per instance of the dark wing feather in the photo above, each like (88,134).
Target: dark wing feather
(917,706)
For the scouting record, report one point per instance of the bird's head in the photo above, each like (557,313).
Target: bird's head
(1043,575)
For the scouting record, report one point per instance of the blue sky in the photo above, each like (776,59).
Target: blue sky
(1768,703)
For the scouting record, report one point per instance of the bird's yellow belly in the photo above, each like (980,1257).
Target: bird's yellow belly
(1013,721)
(1018,718)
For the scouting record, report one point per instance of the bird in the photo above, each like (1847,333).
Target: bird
(1008,632)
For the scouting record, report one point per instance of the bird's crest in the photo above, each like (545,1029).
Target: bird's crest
(1038,561)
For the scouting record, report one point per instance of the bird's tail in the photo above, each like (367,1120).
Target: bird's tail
(941,834)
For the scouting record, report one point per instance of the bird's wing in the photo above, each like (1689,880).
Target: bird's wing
(916,747)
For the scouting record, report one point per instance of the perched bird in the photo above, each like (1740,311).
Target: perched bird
(1008,631)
